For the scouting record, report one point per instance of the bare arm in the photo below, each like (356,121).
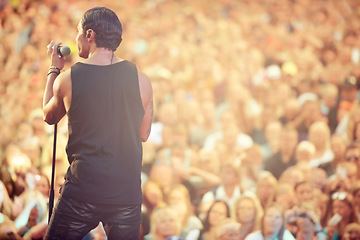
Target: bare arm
(55,90)
(7,204)
(210,179)
(147,101)
(53,103)
(37,231)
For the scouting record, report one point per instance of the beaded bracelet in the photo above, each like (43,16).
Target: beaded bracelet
(57,73)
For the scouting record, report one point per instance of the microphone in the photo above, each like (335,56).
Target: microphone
(63,51)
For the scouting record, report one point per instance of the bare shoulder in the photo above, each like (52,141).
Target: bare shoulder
(145,86)
(143,79)
(64,80)
(146,93)
(63,88)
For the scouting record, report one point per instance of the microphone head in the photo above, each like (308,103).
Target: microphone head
(64,51)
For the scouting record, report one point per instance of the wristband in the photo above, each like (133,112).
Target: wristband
(57,73)
(26,229)
(53,67)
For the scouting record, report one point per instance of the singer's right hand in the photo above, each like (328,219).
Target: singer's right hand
(55,59)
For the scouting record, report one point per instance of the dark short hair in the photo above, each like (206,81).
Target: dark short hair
(106,25)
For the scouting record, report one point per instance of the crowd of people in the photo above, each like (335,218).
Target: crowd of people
(256,132)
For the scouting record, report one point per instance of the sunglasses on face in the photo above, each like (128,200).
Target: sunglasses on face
(339,196)
(356,158)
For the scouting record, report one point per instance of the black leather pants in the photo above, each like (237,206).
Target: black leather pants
(72,220)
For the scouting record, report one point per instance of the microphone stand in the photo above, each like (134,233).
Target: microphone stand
(51,198)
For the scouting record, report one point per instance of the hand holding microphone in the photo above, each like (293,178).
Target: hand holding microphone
(56,52)
(63,51)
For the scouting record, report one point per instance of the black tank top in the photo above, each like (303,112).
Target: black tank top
(104,147)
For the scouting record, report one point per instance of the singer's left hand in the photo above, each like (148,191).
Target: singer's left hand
(55,59)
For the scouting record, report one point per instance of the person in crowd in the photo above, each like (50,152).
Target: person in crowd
(180,157)
(265,189)
(272,131)
(349,90)
(329,95)
(208,126)
(239,101)
(38,230)
(61,161)
(320,179)
(321,201)
(205,170)
(293,175)
(285,195)
(35,208)
(178,197)
(338,147)
(182,161)
(345,176)
(228,229)
(352,170)
(304,221)
(348,108)
(291,111)
(13,171)
(355,191)
(251,167)
(248,213)
(153,197)
(285,157)
(230,188)
(164,224)
(352,231)
(304,192)
(272,225)
(310,113)
(304,151)
(229,136)
(167,117)
(228,146)
(163,175)
(353,126)
(352,154)
(218,211)
(6,203)
(39,128)
(341,213)
(319,135)
(310,174)
(7,229)
(149,155)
